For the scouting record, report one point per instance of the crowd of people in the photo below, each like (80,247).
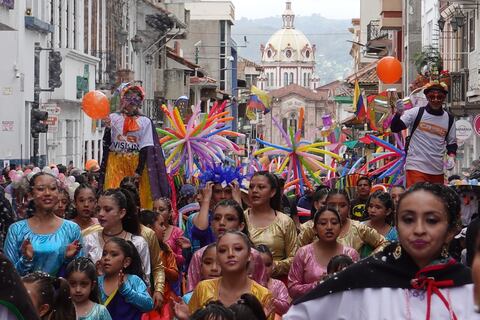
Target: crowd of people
(102,256)
(119,240)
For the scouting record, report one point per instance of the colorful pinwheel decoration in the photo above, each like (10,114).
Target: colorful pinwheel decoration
(199,143)
(302,157)
(391,169)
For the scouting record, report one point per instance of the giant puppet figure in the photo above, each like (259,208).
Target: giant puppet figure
(132,149)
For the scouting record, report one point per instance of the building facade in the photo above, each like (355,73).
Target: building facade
(102,43)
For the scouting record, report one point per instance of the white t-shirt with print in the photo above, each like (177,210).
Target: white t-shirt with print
(427,145)
(132,141)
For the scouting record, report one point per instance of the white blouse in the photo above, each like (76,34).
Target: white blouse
(387,304)
(93,248)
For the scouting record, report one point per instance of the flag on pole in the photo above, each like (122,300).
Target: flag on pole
(358,103)
(259,100)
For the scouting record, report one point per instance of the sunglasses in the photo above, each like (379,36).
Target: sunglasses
(436,96)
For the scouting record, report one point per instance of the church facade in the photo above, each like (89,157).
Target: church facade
(288,61)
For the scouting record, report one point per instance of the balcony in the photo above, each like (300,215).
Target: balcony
(391,15)
(378,41)
(374,32)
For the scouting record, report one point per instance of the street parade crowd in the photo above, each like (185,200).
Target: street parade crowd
(169,226)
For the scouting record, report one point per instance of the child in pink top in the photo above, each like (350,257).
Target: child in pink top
(281,299)
(309,265)
(173,235)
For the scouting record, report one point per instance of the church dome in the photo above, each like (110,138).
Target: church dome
(288,44)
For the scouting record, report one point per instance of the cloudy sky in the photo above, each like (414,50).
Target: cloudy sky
(336,9)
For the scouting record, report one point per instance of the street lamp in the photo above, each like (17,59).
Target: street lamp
(459,17)
(454,25)
(441,23)
(136,42)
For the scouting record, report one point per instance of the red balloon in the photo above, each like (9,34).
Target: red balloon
(96,105)
(389,70)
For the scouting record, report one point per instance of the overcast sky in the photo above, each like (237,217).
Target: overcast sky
(336,9)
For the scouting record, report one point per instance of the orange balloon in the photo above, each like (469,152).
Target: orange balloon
(91,164)
(389,70)
(96,105)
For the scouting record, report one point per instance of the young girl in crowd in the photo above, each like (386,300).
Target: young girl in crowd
(214,310)
(353,233)
(309,266)
(267,225)
(233,253)
(381,212)
(338,263)
(155,221)
(248,307)
(318,199)
(173,237)
(85,205)
(281,299)
(50,296)
(43,242)
(63,205)
(122,289)
(227,215)
(395,193)
(117,215)
(209,268)
(82,278)
(130,184)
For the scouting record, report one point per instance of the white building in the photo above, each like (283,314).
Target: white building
(430,16)
(288,57)
(60,28)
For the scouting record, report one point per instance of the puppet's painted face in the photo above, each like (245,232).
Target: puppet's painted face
(131,101)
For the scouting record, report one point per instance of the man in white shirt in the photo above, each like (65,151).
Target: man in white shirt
(432,133)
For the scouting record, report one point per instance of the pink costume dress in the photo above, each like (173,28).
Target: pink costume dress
(194,276)
(281,299)
(177,249)
(305,271)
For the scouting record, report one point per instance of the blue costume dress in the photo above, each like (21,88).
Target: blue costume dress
(130,301)
(49,249)
(98,312)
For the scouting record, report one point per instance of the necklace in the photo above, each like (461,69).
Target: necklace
(112,235)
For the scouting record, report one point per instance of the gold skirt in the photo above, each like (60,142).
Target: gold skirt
(121,165)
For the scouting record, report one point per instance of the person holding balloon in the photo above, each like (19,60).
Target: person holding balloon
(132,148)
(432,132)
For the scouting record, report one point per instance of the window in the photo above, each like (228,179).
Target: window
(307,54)
(290,81)
(272,80)
(304,79)
(288,53)
(471,33)
(285,79)
(269,53)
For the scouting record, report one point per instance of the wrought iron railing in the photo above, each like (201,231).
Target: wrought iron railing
(152,109)
(374,31)
(458,88)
